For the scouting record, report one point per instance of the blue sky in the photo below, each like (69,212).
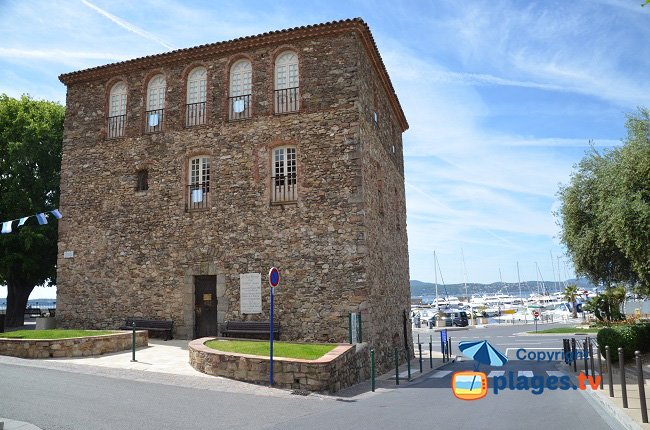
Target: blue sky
(502,98)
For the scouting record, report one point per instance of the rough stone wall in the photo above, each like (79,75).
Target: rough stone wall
(73,347)
(341,368)
(340,248)
(136,253)
(387,264)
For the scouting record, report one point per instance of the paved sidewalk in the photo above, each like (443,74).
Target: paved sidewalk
(630,417)
(161,356)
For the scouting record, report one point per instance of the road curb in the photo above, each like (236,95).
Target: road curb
(611,410)
(16,425)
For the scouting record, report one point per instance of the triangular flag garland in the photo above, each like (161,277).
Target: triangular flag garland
(7,226)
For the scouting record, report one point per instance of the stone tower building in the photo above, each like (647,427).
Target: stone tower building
(184,170)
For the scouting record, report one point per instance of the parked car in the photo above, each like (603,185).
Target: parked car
(457,318)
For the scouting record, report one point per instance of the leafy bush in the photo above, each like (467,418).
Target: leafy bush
(629,337)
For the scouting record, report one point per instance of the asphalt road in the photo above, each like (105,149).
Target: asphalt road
(56,399)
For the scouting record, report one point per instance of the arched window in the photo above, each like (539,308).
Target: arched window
(284,179)
(196,96)
(117,110)
(287,80)
(241,74)
(198,182)
(155,104)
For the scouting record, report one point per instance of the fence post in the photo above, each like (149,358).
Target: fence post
(600,368)
(396,367)
(591,359)
(133,344)
(431,352)
(610,376)
(372,368)
(621,366)
(585,358)
(574,354)
(360,329)
(408,364)
(420,348)
(350,325)
(449,348)
(639,370)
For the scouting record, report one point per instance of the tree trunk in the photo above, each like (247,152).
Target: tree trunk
(17,296)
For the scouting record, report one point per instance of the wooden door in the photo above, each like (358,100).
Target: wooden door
(205,306)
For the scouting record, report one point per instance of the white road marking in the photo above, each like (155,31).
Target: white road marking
(494,373)
(525,373)
(440,374)
(555,373)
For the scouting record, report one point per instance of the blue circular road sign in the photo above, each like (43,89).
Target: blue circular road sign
(274,277)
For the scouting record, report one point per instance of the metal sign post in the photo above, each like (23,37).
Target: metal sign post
(274,280)
(536,315)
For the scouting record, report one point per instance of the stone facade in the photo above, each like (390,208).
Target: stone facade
(72,347)
(340,368)
(341,245)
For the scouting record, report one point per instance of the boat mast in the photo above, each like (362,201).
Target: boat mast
(537,277)
(462,256)
(519,282)
(435,271)
(555,280)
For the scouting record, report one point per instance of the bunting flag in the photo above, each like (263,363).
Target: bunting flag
(7,226)
(42,219)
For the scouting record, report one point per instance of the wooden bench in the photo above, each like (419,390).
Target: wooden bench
(250,328)
(165,326)
(33,312)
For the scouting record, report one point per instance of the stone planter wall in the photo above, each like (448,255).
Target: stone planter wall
(72,347)
(342,367)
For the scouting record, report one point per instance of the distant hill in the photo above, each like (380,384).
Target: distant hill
(419,288)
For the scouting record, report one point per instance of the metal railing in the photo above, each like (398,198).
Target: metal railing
(197,196)
(154,120)
(116,125)
(239,107)
(287,100)
(284,188)
(194,114)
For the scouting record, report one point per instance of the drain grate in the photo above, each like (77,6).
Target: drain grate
(301,392)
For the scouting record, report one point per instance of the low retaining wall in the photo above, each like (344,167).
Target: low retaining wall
(342,367)
(72,347)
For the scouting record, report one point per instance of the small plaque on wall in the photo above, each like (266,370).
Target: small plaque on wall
(250,293)
(68,254)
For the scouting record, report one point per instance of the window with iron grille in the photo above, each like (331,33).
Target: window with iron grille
(117,110)
(195,108)
(155,104)
(284,180)
(198,187)
(287,81)
(239,101)
(143,180)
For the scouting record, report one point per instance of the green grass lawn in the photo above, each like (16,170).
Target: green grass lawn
(53,334)
(567,330)
(309,351)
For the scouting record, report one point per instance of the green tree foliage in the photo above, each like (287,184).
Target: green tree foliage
(607,306)
(31,135)
(571,296)
(605,211)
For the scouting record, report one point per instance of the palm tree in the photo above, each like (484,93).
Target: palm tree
(570,295)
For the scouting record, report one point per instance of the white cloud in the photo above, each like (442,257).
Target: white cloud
(128,26)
